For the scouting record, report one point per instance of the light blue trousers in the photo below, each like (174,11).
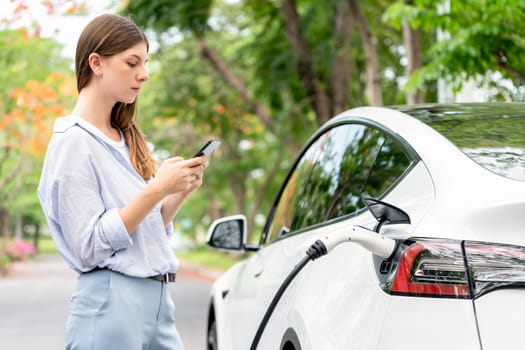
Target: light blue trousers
(112,311)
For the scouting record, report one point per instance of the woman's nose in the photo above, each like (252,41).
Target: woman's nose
(143,75)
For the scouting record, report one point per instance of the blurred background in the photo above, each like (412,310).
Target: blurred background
(261,75)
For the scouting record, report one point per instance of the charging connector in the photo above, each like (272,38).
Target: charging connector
(374,242)
(368,239)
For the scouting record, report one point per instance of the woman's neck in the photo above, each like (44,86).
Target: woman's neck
(92,108)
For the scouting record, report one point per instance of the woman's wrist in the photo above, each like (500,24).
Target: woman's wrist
(171,205)
(156,188)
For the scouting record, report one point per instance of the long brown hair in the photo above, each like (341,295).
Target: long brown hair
(108,35)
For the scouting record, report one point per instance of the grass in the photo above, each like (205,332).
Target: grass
(46,246)
(202,255)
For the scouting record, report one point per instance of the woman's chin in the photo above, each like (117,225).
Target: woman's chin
(128,100)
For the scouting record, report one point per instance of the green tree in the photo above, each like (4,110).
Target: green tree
(479,38)
(294,67)
(32,94)
(293,64)
(306,54)
(184,104)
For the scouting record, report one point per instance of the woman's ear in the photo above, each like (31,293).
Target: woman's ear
(95,62)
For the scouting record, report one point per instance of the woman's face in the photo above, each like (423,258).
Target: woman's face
(124,73)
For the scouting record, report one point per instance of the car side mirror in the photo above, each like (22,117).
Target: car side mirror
(228,233)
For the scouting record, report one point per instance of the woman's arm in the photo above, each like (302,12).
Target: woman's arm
(175,179)
(171,205)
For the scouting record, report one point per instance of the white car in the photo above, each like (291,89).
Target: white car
(421,211)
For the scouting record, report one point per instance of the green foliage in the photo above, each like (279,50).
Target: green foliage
(31,95)
(273,75)
(24,57)
(479,37)
(187,101)
(161,15)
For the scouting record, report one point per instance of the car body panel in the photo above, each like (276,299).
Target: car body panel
(254,287)
(500,318)
(337,301)
(223,284)
(408,325)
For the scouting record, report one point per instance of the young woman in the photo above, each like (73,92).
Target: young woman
(108,208)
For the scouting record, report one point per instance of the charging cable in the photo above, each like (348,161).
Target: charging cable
(377,244)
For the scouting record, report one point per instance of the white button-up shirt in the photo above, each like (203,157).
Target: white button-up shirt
(85,180)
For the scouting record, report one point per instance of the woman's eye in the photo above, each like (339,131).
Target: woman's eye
(132,65)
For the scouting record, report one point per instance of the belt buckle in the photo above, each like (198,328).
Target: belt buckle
(170,277)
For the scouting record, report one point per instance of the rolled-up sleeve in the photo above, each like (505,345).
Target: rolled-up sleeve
(114,230)
(72,198)
(93,231)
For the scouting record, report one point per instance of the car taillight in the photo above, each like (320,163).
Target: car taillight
(494,266)
(456,269)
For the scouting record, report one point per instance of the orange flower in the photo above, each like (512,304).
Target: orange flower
(220,108)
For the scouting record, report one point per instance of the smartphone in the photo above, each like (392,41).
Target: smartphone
(207,148)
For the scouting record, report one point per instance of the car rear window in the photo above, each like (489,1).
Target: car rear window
(493,137)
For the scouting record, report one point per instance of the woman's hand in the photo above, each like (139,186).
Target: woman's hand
(199,172)
(172,203)
(179,175)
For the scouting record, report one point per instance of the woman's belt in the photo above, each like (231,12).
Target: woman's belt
(166,278)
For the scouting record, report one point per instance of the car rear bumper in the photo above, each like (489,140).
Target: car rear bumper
(500,318)
(430,324)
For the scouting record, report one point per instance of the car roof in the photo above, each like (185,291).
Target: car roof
(460,111)
(448,166)
(464,191)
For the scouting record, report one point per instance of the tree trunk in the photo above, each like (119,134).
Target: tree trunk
(239,191)
(18,226)
(305,68)
(216,210)
(501,62)
(341,65)
(261,191)
(373,76)
(36,238)
(229,76)
(412,39)
(5,224)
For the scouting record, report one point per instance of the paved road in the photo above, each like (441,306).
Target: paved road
(35,294)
